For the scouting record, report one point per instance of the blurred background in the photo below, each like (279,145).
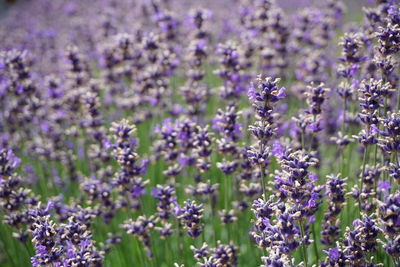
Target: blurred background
(71,21)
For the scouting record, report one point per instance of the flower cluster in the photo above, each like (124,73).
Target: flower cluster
(221,255)
(361,241)
(190,216)
(263,96)
(141,228)
(336,194)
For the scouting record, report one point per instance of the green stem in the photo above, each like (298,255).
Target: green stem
(262,170)
(262,166)
(385,109)
(302,140)
(342,161)
(213,213)
(315,243)
(303,245)
(362,175)
(343,132)
(142,258)
(398,99)
(344,114)
(226,192)
(227,189)
(180,236)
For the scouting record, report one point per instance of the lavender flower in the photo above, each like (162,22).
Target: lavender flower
(336,194)
(8,162)
(128,179)
(390,141)
(141,228)
(190,216)
(263,95)
(227,216)
(200,253)
(351,55)
(166,199)
(361,241)
(336,257)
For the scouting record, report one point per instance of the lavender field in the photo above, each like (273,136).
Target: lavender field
(211,133)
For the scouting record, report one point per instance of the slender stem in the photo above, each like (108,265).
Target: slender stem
(262,170)
(262,166)
(362,174)
(385,109)
(313,228)
(315,243)
(396,157)
(348,199)
(305,256)
(398,100)
(226,192)
(213,213)
(180,236)
(142,258)
(344,114)
(227,189)
(342,150)
(313,135)
(342,155)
